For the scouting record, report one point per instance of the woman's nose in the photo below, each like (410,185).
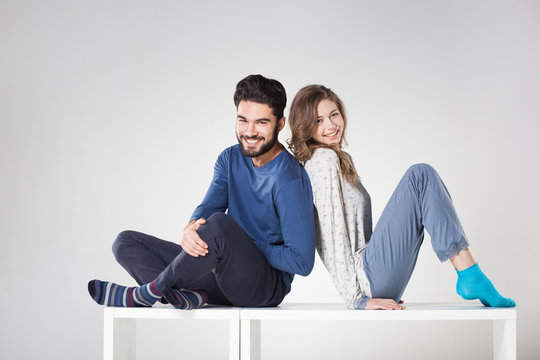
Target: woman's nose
(330,124)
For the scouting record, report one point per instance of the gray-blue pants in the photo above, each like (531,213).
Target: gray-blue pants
(420,201)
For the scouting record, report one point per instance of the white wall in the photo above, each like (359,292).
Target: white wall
(112,114)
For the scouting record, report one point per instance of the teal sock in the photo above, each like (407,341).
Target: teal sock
(186,299)
(473,284)
(111,294)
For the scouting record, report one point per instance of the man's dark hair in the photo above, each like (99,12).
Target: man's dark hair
(261,90)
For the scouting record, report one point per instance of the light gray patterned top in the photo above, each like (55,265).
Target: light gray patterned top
(343,224)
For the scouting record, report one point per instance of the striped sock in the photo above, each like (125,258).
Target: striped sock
(186,299)
(111,294)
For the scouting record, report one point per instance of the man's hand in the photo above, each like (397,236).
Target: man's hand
(191,242)
(383,304)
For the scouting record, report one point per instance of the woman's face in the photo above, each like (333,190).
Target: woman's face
(329,128)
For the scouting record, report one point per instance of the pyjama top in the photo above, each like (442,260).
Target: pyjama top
(343,224)
(272,203)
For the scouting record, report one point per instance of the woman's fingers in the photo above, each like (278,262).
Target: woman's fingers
(383,304)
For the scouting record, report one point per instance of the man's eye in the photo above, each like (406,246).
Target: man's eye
(335,114)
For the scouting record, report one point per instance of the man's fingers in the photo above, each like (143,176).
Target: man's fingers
(191,241)
(195,242)
(190,252)
(201,244)
(197,224)
(200,250)
(195,251)
(198,242)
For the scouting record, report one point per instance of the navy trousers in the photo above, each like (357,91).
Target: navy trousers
(234,272)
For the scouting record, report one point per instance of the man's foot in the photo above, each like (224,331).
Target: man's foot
(473,284)
(111,294)
(185,299)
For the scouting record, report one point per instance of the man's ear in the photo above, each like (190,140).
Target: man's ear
(281,123)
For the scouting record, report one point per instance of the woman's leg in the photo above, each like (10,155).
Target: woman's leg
(420,201)
(473,284)
(463,259)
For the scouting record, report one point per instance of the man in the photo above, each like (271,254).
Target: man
(247,257)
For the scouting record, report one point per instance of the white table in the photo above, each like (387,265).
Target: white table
(245,323)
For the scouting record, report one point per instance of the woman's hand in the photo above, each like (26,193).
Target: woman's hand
(383,304)
(191,242)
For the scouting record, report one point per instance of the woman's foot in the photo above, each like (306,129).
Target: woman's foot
(473,284)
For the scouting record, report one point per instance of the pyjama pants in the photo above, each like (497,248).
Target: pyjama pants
(420,201)
(233,272)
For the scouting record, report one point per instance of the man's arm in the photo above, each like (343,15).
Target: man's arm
(294,203)
(216,200)
(217,196)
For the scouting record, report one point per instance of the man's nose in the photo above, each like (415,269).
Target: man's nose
(251,130)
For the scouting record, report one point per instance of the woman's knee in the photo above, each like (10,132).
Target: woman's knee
(421,169)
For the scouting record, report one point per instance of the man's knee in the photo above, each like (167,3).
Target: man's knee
(217,225)
(219,218)
(219,221)
(124,240)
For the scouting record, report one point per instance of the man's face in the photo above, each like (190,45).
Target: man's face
(256,128)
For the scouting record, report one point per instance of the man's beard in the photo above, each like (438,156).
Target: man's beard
(264,148)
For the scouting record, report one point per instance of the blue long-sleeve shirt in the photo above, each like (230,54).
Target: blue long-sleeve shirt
(272,203)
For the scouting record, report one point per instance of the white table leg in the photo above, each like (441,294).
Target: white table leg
(504,339)
(118,337)
(234,337)
(250,339)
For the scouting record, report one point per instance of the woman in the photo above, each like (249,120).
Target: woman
(371,270)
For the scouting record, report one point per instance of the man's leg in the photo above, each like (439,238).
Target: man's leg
(241,271)
(145,257)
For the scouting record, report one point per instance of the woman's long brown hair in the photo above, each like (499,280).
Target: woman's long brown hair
(303,120)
